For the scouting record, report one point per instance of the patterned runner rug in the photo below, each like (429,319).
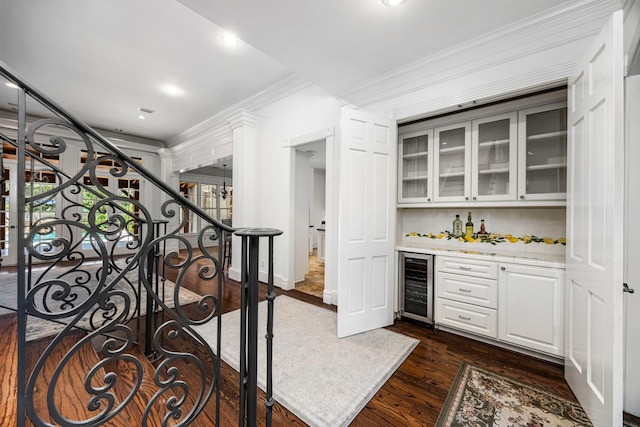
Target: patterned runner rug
(483,398)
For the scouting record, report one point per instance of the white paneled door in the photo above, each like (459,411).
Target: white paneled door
(366,226)
(593,315)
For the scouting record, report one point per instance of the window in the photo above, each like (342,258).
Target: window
(214,199)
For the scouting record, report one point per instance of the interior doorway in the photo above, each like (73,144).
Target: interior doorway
(310,210)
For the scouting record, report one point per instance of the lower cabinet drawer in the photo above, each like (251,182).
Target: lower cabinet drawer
(471,318)
(470,290)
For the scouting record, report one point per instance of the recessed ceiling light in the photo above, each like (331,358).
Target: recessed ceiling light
(230,39)
(141,117)
(172,90)
(393,2)
(11,85)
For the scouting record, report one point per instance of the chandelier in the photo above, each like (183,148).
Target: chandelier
(224,192)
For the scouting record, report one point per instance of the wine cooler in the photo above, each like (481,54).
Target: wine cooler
(416,286)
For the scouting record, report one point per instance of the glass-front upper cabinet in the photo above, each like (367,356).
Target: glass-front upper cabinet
(494,157)
(542,161)
(414,164)
(452,162)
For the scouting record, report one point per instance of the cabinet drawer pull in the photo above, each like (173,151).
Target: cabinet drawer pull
(464,290)
(465,268)
(464,318)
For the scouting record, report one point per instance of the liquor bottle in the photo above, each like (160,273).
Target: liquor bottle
(457,226)
(482,231)
(469,226)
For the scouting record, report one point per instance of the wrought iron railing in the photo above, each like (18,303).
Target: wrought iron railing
(93,260)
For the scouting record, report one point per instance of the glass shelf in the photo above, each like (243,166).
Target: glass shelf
(416,155)
(489,144)
(550,135)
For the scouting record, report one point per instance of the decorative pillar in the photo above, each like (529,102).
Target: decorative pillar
(246,170)
(171,178)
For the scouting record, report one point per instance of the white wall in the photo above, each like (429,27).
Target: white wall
(307,111)
(318,202)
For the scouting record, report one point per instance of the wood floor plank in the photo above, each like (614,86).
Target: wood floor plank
(9,369)
(70,396)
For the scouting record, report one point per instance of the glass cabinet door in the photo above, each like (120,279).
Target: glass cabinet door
(543,158)
(414,167)
(452,162)
(494,142)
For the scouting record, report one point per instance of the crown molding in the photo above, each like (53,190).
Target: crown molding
(242,118)
(549,77)
(562,25)
(279,90)
(205,136)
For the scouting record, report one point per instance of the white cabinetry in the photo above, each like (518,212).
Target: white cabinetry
(467,295)
(494,146)
(542,162)
(493,155)
(516,304)
(415,167)
(452,162)
(531,307)
(476,160)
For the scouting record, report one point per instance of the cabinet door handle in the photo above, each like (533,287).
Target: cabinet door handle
(464,290)
(474,197)
(464,318)
(521,197)
(503,268)
(626,288)
(465,268)
(466,198)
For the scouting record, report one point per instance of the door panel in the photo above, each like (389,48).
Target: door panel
(594,352)
(366,222)
(8,215)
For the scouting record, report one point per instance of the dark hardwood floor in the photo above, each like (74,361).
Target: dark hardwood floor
(416,392)
(413,395)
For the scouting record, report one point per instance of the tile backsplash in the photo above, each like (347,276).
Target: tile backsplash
(541,222)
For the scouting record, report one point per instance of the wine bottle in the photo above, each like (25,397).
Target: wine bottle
(457,226)
(482,231)
(469,226)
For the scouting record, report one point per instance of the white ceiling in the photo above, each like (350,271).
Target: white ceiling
(101,60)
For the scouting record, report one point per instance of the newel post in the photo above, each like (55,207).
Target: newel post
(249,323)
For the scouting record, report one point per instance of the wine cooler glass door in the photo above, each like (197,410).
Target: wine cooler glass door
(417,286)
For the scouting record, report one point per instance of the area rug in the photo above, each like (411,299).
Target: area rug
(483,398)
(323,380)
(39,328)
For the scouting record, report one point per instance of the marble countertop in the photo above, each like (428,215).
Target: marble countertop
(541,259)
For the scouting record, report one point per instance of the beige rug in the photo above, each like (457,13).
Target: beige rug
(483,398)
(323,380)
(39,328)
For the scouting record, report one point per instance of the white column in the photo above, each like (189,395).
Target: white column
(172,179)
(246,170)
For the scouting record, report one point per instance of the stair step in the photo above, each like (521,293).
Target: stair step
(9,369)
